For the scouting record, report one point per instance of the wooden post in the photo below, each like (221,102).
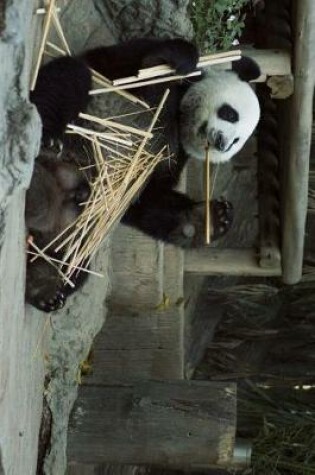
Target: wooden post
(268,182)
(296,164)
(171,424)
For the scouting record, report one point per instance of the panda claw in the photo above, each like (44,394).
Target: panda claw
(222,211)
(55,145)
(42,304)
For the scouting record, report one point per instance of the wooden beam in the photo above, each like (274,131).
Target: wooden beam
(297,161)
(171,424)
(211,261)
(272,62)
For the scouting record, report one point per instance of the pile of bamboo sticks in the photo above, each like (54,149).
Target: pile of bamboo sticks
(120,174)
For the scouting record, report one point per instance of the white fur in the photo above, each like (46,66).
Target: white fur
(201,103)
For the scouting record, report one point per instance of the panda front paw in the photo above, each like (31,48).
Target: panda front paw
(222,217)
(190,233)
(51,303)
(180,54)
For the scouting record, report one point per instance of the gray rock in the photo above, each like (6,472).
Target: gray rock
(21,374)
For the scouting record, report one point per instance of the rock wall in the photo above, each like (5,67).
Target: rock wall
(21,369)
(32,344)
(70,332)
(144,18)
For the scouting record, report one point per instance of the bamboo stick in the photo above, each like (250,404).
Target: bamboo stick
(64,263)
(56,48)
(101,135)
(100,79)
(49,261)
(46,28)
(207,196)
(201,62)
(116,125)
(60,32)
(164,69)
(43,11)
(143,83)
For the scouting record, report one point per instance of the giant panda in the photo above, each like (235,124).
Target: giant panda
(218,110)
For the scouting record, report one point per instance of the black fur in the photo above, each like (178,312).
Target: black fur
(246,68)
(125,59)
(60,94)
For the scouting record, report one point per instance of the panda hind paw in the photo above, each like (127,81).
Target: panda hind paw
(55,302)
(190,233)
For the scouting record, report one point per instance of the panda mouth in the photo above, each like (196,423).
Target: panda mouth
(229,147)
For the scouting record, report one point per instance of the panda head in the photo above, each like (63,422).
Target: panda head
(220,111)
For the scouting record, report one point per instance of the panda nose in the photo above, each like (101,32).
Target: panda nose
(219,142)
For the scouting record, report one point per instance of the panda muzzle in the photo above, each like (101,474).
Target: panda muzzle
(219,142)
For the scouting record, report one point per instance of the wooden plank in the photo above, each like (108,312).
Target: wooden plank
(228,262)
(172,424)
(297,161)
(272,62)
(143,345)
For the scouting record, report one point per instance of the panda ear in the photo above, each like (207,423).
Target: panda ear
(246,68)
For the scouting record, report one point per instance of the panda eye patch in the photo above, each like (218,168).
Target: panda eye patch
(228,113)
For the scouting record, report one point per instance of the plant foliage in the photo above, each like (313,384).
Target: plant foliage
(217,23)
